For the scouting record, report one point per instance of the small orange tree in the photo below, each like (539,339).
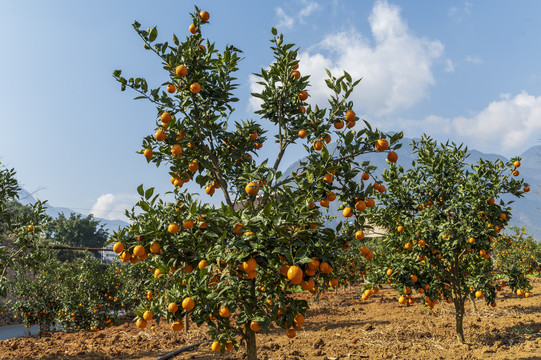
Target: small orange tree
(235,266)
(517,252)
(441,218)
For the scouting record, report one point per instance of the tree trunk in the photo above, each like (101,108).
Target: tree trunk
(459,317)
(251,349)
(186,322)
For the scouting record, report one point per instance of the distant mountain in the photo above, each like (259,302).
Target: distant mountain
(26,198)
(526,211)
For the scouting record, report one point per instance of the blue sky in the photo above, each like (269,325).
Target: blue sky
(459,70)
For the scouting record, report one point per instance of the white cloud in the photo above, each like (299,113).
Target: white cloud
(474,59)
(112,207)
(285,21)
(449,66)
(308,8)
(396,69)
(508,124)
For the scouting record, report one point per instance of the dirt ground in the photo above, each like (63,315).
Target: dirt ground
(339,326)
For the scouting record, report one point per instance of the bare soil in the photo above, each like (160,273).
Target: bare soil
(340,326)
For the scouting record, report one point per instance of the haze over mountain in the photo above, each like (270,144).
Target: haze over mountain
(526,211)
(26,198)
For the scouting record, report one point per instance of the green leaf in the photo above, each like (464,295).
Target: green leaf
(149,193)
(349,138)
(153,34)
(274,31)
(140,190)
(175,40)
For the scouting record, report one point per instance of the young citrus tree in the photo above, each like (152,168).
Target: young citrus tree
(516,252)
(441,217)
(235,266)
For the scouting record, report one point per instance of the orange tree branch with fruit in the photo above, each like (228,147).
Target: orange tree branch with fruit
(442,217)
(236,266)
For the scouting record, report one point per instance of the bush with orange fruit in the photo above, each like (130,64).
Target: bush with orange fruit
(441,217)
(236,266)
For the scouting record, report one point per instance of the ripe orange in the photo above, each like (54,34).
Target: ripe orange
(516,172)
(351,124)
(413,278)
(155,247)
(147,315)
(294,274)
(125,256)
(171,89)
(141,323)
(195,88)
(520,292)
(224,312)
(526,189)
(381,145)
(324,203)
(333,282)
(471,240)
(359,235)
(479,294)
(139,251)
(365,176)
(204,15)
(331,196)
(402,299)
(216,346)
(347,212)
(173,307)
(159,135)
(303,95)
(400,228)
(392,157)
(188,304)
(318,145)
(338,124)
(491,201)
(350,115)
(118,247)
(192,28)
(325,268)
(291,333)
(177,326)
(187,224)
(249,265)
(181,71)
(165,117)
(176,150)
(148,153)
(370,203)
(252,189)
(202,264)
(360,205)
(328,178)
(389,272)
(296,74)
(254,326)
(516,164)
(173,228)
(302,133)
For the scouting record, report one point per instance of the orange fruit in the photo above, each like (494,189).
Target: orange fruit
(188,304)
(328,178)
(402,300)
(202,264)
(176,150)
(351,124)
(173,228)
(516,164)
(187,224)
(192,28)
(392,157)
(125,256)
(173,307)
(177,326)
(291,333)
(527,294)
(381,145)
(413,278)
(338,124)
(479,294)
(526,189)
(216,346)
(318,145)
(204,15)
(350,115)
(251,189)
(165,117)
(347,212)
(303,95)
(302,133)
(139,251)
(370,203)
(195,88)
(188,269)
(389,272)
(365,176)
(324,203)
(171,88)
(249,265)
(296,74)
(194,166)
(359,235)
(400,228)
(159,135)
(294,274)
(516,172)
(302,109)
(491,201)
(147,315)
(325,268)
(141,323)
(155,247)
(118,247)
(333,282)
(254,326)
(360,205)
(331,196)
(224,312)
(148,153)
(181,71)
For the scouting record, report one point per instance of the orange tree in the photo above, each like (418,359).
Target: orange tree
(441,218)
(235,266)
(516,253)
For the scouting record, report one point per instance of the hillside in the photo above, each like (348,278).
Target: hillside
(26,198)
(526,211)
